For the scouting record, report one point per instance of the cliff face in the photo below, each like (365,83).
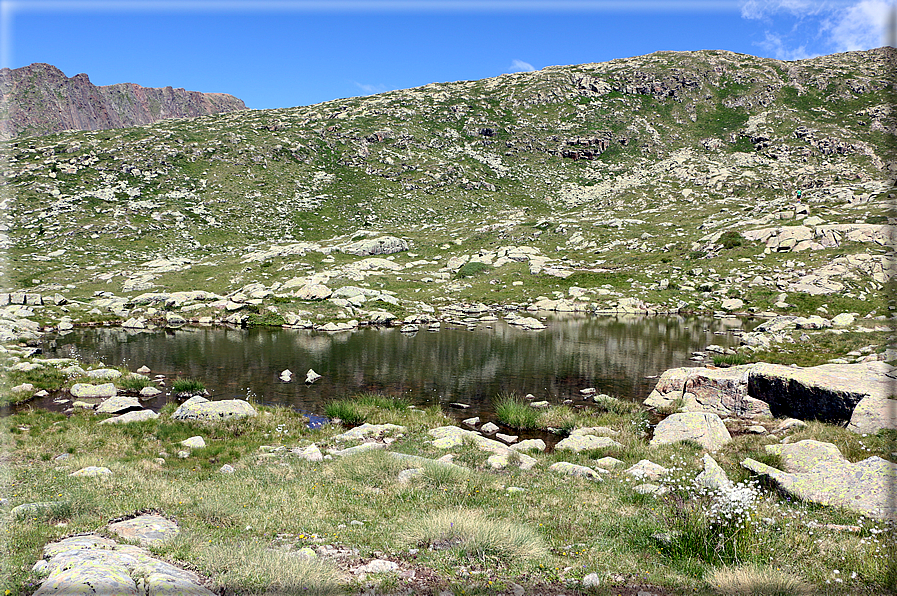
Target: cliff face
(39,99)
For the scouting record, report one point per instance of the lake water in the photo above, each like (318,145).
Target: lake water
(618,355)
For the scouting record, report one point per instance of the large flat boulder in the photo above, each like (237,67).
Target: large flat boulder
(585,442)
(383,245)
(818,472)
(199,408)
(828,393)
(128,417)
(91,564)
(147,529)
(371,431)
(89,390)
(451,437)
(701,427)
(721,391)
(119,404)
(873,414)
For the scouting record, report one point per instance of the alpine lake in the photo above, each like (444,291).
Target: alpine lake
(460,368)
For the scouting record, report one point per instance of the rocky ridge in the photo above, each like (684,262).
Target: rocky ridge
(41,100)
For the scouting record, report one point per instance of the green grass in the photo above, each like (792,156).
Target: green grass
(474,538)
(821,347)
(731,239)
(134,382)
(188,386)
(516,412)
(729,359)
(240,529)
(364,406)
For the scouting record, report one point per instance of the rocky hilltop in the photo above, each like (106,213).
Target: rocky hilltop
(660,183)
(39,100)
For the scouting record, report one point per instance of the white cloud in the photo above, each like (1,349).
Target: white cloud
(758,9)
(371,89)
(776,47)
(521,66)
(823,26)
(859,27)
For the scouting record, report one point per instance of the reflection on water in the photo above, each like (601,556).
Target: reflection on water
(614,354)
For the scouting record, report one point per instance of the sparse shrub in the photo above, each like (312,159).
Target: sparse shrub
(188,387)
(730,239)
(515,412)
(384,402)
(473,268)
(560,418)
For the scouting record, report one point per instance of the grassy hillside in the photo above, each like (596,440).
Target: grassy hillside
(635,178)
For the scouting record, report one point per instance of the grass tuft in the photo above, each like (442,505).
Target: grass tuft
(188,386)
(364,406)
(134,382)
(473,536)
(253,567)
(516,412)
(755,580)
(725,360)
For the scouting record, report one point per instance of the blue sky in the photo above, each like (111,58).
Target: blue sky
(283,53)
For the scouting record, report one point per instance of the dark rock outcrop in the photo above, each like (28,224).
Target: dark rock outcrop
(41,100)
(829,392)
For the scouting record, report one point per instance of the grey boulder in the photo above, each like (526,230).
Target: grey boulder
(701,427)
(199,408)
